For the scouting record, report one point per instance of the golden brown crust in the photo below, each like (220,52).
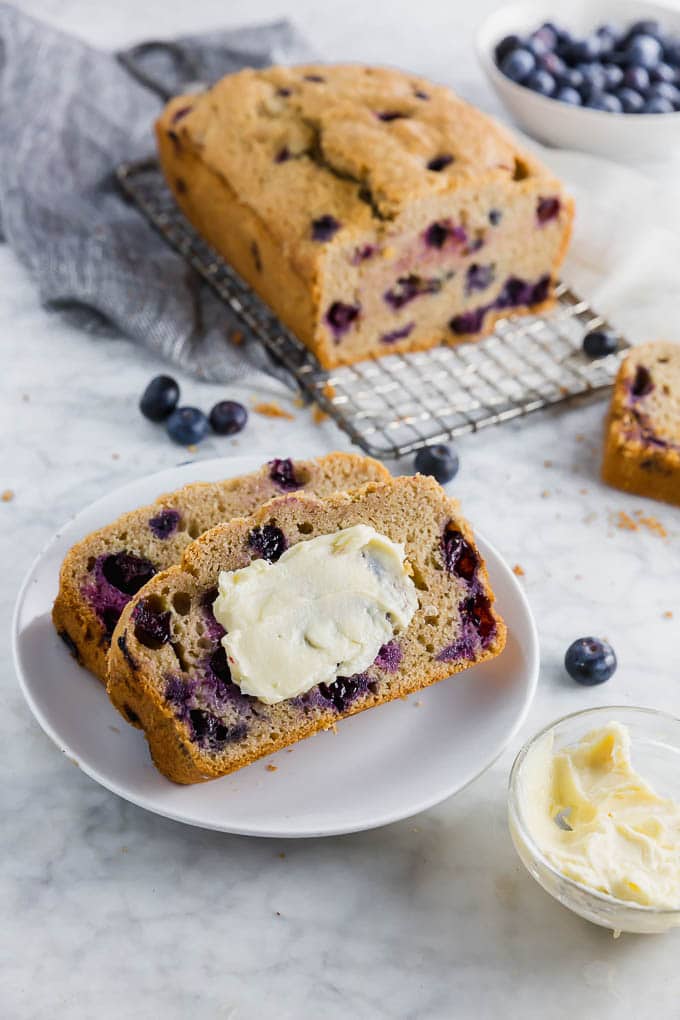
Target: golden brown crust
(642,431)
(263,156)
(412,510)
(201,505)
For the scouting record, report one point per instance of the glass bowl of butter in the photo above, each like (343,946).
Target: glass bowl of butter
(594,813)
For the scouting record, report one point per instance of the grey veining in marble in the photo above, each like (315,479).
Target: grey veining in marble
(109,912)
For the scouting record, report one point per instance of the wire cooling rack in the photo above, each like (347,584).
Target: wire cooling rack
(396,404)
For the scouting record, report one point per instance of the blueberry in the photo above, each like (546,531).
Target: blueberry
(165,523)
(599,343)
(344,690)
(665,90)
(636,78)
(646,27)
(505,46)
(553,64)
(495,217)
(459,556)
(573,77)
(594,77)
(631,101)
(187,425)
(159,398)
(644,50)
(664,72)
(613,76)
(518,65)
(671,52)
(658,104)
(325,227)
(605,101)
(152,628)
(268,542)
(440,461)
(583,49)
(127,572)
(568,95)
(282,473)
(340,317)
(439,163)
(642,382)
(228,417)
(536,45)
(540,81)
(546,36)
(590,661)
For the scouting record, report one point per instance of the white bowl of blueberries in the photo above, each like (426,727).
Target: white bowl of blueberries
(603,77)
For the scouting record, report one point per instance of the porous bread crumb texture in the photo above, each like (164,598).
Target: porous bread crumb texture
(373,210)
(642,438)
(197,722)
(141,543)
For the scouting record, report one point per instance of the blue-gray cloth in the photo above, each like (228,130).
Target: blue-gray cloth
(69,115)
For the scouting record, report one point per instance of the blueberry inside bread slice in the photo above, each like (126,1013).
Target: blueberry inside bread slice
(103,572)
(331,606)
(642,445)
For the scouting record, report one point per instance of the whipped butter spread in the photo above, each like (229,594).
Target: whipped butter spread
(323,610)
(598,822)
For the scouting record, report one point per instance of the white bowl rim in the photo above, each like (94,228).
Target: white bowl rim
(536,852)
(485,48)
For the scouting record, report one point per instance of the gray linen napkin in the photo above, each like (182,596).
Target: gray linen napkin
(69,114)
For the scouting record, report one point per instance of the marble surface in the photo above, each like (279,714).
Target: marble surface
(111,912)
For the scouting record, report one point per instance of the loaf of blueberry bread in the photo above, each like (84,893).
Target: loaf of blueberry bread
(372,210)
(101,573)
(309,584)
(642,442)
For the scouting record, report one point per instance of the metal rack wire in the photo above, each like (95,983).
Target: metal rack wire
(395,405)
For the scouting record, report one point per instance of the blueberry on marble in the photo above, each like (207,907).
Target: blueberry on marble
(324,227)
(439,460)
(164,523)
(599,343)
(268,542)
(159,398)
(127,572)
(282,473)
(590,661)
(518,65)
(187,425)
(228,417)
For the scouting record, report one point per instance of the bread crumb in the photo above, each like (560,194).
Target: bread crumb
(317,414)
(299,402)
(270,409)
(416,704)
(289,750)
(7,496)
(282,856)
(517,570)
(236,337)
(123,849)
(115,456)
(668,615)
(192,448)
(583,492)
(579,437)
(547,463)
(271,768)
(625,522)
(114,729)
(652,524)
(545,493)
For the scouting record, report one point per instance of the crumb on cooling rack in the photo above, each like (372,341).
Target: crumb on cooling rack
(668,615)
(518,570)
(7,496)
(270,409)
(272,768)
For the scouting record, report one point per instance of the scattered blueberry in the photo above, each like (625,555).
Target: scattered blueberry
(440,461)
(187,425)
(228,417)
(518,65)
(159,398)
(590,661)
(568,95)
(599,343)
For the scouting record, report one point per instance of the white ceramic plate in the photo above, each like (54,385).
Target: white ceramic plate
(378,767)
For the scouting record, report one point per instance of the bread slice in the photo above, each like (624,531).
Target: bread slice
(101,573)
(168,671)
(642,444)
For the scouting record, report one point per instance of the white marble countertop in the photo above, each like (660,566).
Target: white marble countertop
(111,912)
